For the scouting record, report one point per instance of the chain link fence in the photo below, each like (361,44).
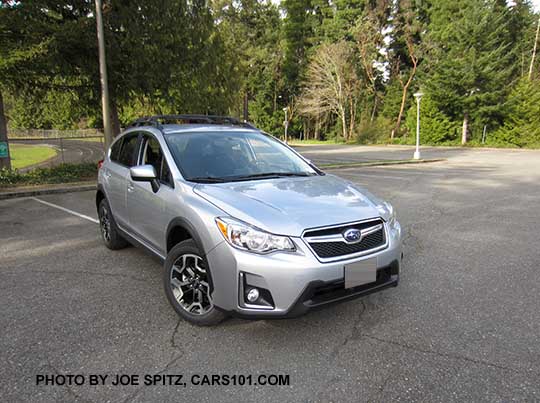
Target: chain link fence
(52,134)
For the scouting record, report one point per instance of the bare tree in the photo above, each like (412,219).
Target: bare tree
(332,86)
(369,40)
(534,49)
(411,28)
(367,37)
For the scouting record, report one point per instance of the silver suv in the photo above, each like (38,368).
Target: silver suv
(244,224)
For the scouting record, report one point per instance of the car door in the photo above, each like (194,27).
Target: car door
(146,207)
(122,157)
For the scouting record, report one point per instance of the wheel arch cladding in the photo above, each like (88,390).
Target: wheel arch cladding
(100,195)
(179,230)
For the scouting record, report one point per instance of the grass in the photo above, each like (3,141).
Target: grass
(64,173)
(23,155)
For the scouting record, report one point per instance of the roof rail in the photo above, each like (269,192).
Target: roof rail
(159,120)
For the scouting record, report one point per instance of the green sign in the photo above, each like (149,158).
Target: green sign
(3,149)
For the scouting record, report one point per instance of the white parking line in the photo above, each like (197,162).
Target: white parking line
(66,210)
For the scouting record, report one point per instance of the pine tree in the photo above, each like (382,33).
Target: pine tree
(522,125)
(471,62)
(252,31)
(297,32)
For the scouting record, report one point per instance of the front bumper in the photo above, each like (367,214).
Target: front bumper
(298,282)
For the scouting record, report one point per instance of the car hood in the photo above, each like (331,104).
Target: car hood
(288,206)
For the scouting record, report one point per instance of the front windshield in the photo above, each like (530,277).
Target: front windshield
(234,156)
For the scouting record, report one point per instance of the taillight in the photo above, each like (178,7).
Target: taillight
(99,164)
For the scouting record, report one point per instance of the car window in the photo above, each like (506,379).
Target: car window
(115,150)
(153,155)
(233,156)
(129,145)
(266,151)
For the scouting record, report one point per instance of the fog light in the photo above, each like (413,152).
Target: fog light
(252,295)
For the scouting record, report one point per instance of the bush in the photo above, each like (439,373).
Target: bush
(60,174)
(376,132)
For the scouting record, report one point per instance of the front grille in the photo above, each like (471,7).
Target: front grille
(336,245)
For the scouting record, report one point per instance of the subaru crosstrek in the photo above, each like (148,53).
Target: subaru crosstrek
(245,225)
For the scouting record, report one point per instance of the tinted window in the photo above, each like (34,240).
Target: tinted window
(234,156)
(115,150)
(154,156)
(127,151)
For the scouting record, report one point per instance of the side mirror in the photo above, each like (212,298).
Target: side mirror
(145,173)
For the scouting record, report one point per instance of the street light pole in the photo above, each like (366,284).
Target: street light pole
(418,97)
(286,123)
(103,76)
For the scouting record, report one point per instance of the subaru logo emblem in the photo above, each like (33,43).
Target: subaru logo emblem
(352,235)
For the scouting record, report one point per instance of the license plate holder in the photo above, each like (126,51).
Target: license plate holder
(360,273)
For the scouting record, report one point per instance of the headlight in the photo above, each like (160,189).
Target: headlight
(246,237)
(387,212)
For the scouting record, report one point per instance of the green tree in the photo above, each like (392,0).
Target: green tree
(522,126)
(471,62)
(51,45)
(297,32)
(435,126)
(252,32)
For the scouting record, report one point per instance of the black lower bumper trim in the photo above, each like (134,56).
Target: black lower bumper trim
(319,294)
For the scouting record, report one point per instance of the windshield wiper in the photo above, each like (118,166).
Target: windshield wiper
(206,179)
(268,175)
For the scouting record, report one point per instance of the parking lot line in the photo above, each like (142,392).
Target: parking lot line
(66,210)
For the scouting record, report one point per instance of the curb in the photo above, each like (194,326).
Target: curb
(37,192)
(378,163)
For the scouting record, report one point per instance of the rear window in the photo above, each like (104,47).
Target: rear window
(115,150)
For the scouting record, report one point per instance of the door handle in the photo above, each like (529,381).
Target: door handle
(107,174)
(130,187)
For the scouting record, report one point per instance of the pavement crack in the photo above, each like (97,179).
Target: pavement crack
(173,335)
(333,354)
(442,354)
(351,334)
(168,365)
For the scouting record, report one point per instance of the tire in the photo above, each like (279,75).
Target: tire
(187,285)
(110,234)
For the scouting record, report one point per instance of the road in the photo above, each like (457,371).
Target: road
(74,151)
(463,325)
(331,154)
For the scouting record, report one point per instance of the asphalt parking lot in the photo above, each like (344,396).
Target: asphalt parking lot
(463,325)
